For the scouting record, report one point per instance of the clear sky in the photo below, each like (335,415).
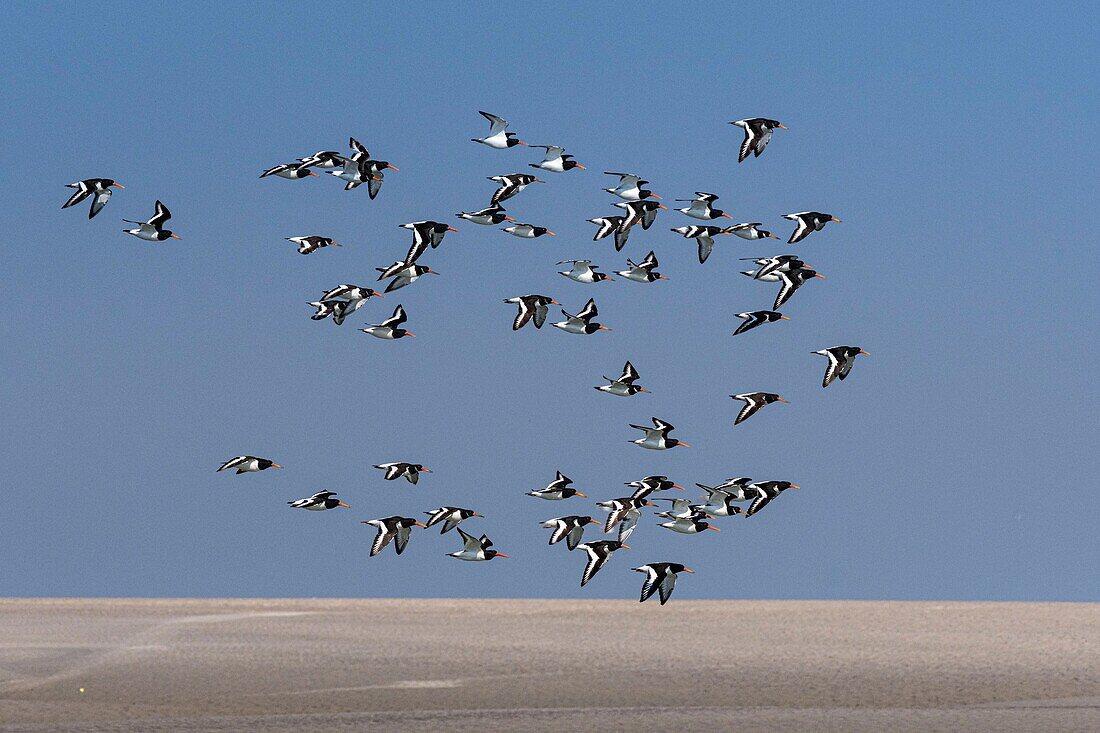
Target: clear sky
(959,146)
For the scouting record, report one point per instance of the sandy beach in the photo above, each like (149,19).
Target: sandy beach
(528,665)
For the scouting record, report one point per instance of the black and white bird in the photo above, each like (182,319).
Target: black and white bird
(640,212)
(609,224)
(557,489)
(527,231)
(703,235)
(758,132)
(556,160)
(630,187)
(625,385)
(656,437)
(475,548)
(753,402)
(738,489)
(312,243)
(98,188)
(153,230)
(770,267)
(581,323)
(623,513)
(598,554)
(757,318)
(425,234)
(400,469)
(532,307)
(391,327)
(403,273)
(449,516)
(583,271)
(694,522)
(765,492)
(292,171)
(360,169)
(750,230)
(320,501)
(248,464)
(806,222)
(510,185)
(651,485)
(348,291)
(498,136)
(488,216)
(792,281)
(702,207)
(395,528)
(569,528)
(679,509)
(841,360)
(341,302)
(660,577)
(644,271)
(719,503)
(323,159)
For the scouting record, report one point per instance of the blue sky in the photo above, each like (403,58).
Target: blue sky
(958,147)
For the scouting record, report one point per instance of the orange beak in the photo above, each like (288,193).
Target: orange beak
(593,521)
(175,236)
(780,399)
(538,180)
(643,389)
(818,274)
(680,442)
(772,236)
(834,219)
(451,229)
(581,167)
(662,206)
(426,469)
(337,244)
(551,233)
(604,328)
(795,486)
(501,554)
(726,216)
(711,526)
(554,302)
(420,524)
(118,184)
(583,496)
(410,333)
(393,167)
(678,486)
(654,196)
(311,173)
(475,514)
(508,218)
(864,352)
(782,127)
(520,142)
(626,547)
(662,277)
(275,465)
(785,318)
(343,505)
(688,570)
(378,295)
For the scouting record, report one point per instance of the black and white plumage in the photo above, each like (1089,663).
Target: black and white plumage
(807,222)
(584,271)
(98,188)
(752,319)
(403,273)
(312,243)
(679,509)
(703,235)
(651,485)
(656,437)
(395,528)
(556,159)
(341,301)
(348,291)
(770,267)
(753,402)
(599,552)
(702,207)
(487,216)
(766,491)
(719,502)
(640,212)
(510,185)
(449,516)
(153,230)
(623,513)
(532,307)
(391,327)
(750,230)
(498,136)
(738,489)
(660,577)
(692,522)
(400,469)
(475,549)
(569,528)
(758,133)
(792,281)
(625,385)
(360,169)
(630,187)
(293,171)
(323,159)
(582,323)
(841,361)
(644,271)
(248,464)
(609,224)
(527,231)
(320,501)
(557,489)
(425,234)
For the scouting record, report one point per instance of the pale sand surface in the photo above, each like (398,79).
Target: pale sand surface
(435,665)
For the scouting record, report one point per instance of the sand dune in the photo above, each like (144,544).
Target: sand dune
(434,665)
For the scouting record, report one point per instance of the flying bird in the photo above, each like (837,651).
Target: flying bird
(581,323)
(772,266)
(719,502)
(395,528)
(323,159)
(806,222)
(475,548)
(753,402)
(737,489)
(660,577)
(644,271)
(703,235)
(557,489)
(702,207)
(400,469)
(312,243)
(403,273)
(640,212)
(693,522)
(584,272)
(492,215)
(531,307)
(792,281)
(623,386)
(750,230)
(390,328)
(425,234)
(556,160)
(527,231)
(569,528)
(360,169)
(758,132)
(598,554)
(651,485)
(98,188)
(247,464)
(765,492)
(153,230)
(841,361)
(289,170)
(624,513)
(449,516)
(319,502)
(498,136)
(630,187)
(609,224)
(510,185)
(757,318)
(656,437)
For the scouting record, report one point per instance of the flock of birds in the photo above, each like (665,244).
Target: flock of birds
(640,207)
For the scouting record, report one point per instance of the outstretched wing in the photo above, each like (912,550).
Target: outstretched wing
(666,586)
(752,404)
(652,580)
(589,311)
(82,191)
(706,245)
(102,196)
(595,562)
(402,538)
(396,319)
(381,539)
(161,215)
(496,124)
